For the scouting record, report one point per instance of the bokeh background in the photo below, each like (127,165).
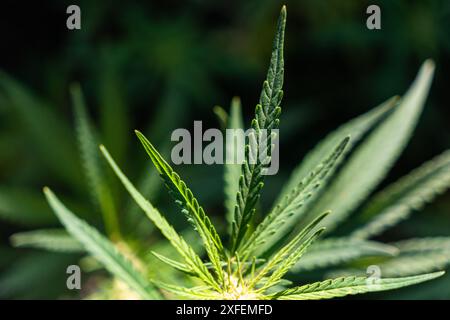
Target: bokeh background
(160,65)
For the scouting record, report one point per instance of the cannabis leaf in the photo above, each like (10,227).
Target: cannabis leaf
(335,177)
(418,256)
(412,192)
(349,285)
(102,249)
(49,239)
(174,264)
(232,171)
(87,141)
(334,251)
(287,256)
(356,128)
(191,258)
(291,208)
(348,189)
(266,118)
(190,206)
(423,244)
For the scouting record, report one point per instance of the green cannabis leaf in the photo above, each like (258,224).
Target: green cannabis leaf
(329,185)
(102,249)
(190,206)
(52,240)
(411,192)
(232,171)
(88,148)
(391,135)
(161,223)
(334,251)
(349,285)
(266,118)
(292,206)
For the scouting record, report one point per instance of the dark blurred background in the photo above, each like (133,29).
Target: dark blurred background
(159,65)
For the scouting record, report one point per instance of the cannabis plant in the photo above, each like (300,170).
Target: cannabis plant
(38,143)
(70,251)
(333,181)
(22,208)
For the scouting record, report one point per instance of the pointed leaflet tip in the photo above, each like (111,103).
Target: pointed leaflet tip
(235,101)
(318,233)
(321,217)
(426,70)
(419,89)
(147,144)
(429,65)
(433,275)
(142,138)
(345,141)
(282,19)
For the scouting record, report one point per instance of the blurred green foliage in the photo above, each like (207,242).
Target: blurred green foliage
(158,66)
